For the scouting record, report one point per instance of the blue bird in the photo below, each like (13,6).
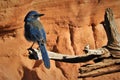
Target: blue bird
(34,31)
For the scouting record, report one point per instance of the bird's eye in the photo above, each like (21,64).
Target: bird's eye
(32,16)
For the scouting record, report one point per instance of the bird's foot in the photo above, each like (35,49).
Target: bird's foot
(33,54)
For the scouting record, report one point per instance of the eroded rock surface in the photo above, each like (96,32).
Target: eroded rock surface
(70,25)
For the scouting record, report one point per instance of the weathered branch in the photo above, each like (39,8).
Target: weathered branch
(101,71)
(90,55)
(102,64)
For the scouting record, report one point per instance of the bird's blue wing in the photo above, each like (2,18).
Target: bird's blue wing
(42,32)
(38,34)
(35,34)
(38,31)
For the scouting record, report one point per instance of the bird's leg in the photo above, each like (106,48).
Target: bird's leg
(31,46)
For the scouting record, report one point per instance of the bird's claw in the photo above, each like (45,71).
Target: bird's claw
(33,54)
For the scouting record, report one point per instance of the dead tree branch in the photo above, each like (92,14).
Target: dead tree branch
(90,55)
(102,64)
(101,71)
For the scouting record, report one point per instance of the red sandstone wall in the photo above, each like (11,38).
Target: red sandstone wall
(69,27)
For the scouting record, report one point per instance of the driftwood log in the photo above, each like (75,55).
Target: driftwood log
(109,54)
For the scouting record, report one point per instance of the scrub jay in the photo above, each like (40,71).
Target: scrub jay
(34,31)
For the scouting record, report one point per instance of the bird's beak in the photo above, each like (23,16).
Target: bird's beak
(41,15)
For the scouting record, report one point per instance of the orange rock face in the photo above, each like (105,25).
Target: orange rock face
(70,25)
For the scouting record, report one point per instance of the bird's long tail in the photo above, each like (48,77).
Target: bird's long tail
(44,55)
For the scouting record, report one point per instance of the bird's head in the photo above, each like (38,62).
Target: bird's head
(32,15)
